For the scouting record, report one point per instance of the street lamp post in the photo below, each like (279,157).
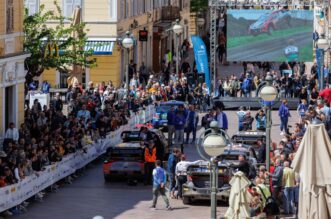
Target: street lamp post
(200,23)
(214,142)
(127,43)
(268,94)
(323,45)
(177,29)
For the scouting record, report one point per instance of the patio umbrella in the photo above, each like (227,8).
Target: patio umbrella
(239,197)
(312,162)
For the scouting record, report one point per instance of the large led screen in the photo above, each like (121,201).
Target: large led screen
(269,35)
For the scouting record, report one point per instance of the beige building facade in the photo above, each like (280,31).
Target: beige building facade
(107,22)
(12,56)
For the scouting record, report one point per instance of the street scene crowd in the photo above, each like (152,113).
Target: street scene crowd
(89,113)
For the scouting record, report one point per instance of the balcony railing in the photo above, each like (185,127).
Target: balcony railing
(170,13)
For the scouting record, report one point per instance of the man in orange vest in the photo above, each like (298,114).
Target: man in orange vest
(150,159)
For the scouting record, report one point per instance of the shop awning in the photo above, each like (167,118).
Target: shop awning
(100,47)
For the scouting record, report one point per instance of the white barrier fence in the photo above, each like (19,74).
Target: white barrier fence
(13,195)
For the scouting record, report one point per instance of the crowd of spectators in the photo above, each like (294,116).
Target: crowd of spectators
(291,80)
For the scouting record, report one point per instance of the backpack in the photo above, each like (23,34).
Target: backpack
(246,84)
(271,207)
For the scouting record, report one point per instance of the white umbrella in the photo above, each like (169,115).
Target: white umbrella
(239,197)
(313,161)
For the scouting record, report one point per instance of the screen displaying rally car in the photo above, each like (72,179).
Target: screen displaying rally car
(270,35)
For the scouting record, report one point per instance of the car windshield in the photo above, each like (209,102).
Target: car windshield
(130,136)
(229,157)
(124,154)
(165,108)
(263,17)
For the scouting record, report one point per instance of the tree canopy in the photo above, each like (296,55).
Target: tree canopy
(59,45)
(199,5)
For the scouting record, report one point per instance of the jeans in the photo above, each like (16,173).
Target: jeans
(181,180)
(288,200)
(159,191)
(179,138)
(171,131)
(188,132)
(149,166)
(172,180)
(283,124)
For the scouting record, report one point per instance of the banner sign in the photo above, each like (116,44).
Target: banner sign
(319,60)
(15,194)
(201,58)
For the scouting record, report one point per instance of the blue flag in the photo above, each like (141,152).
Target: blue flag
(201,58)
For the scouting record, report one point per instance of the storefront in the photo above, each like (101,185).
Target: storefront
(12,80)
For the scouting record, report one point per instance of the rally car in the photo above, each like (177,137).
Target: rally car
(126,159)
(160,118)
(231,154)
(269,22)
(249,138)
(197,186)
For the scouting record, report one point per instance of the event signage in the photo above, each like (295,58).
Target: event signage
(143,35)
(201,58)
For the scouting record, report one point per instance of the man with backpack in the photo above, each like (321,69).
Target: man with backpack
(159,181)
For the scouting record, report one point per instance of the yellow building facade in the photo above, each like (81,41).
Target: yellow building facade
(12,56)
(107,21)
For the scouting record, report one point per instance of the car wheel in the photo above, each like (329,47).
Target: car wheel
(270,30)
(107,178)
(187,200)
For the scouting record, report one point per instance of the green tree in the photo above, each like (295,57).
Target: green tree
(199,5)
(69,38)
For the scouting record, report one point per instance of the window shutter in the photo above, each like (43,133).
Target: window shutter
(77,3)
(127,9)
(111,14)
(10,16)
(122,9)
(68,8)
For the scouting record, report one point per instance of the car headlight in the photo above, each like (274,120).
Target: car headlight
(190,185)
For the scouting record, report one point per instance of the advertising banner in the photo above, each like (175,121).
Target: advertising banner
(201,58)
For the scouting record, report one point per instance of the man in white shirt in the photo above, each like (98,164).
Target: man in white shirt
(12,132)
(181,173)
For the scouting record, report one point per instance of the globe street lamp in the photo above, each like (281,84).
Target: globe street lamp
(268,94)
(213,141)
(177,29)
(127,43)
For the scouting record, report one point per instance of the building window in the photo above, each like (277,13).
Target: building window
(32,6)
(135,7)
(69,6)
(127,9)
(10,16)
(113,9)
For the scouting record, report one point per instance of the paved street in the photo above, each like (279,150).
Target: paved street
(89,195)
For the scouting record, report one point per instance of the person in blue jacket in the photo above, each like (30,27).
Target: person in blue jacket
(222,119)
(172,162)
(179,123)
(284,114)
(261,120)
(159,181)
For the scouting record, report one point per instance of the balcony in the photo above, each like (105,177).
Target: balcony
(170,13)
